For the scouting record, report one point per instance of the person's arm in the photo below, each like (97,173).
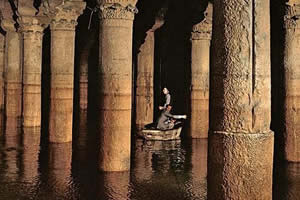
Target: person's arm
(179,116)
(175,116)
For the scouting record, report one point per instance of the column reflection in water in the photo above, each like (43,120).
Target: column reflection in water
(59,165)
(293,177)
(11,150)
(84,145)
(287,182)
(142,162)
(160,171)
(30,158)
(114,185)
(199,168)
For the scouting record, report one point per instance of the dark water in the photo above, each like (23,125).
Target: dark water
(32,169)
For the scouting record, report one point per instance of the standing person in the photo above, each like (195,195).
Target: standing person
(167,98)
(167,120)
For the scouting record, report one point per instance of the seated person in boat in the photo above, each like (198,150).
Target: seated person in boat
(167,120)
(167,99)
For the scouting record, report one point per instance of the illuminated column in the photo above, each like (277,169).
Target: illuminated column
(115,83)
(144,83)
(32,32)
(240,158)
(201,37)
(292,81)
(13,69)
(2,66)
(63,22)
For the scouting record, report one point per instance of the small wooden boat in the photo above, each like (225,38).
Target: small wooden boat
(150,132)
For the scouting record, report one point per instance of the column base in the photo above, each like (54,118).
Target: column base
(240,166)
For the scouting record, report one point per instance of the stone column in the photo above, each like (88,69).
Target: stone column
(115,83)
(241,143)
(13,69)
(32,32)
(2,65)
(292,81)
(144,83)
(201,37)
(62,25)
(83,78)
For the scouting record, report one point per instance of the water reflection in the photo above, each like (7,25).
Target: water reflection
(59,166)
(198,185)
(114,185)
(163,170)
(30,154)
(287,182)
(11,149)
(160,170)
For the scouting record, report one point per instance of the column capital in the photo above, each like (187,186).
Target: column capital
(124,3)
(117,11)
(30,24)
(8,25)
(292,14)
(159,19)
(7,22)
(203,30)
(29,21)
(64,16)
(157,24)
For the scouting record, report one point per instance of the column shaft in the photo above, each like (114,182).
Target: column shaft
(144,84)
(240,142)
(2,66)
(13,75)
(62,26)
(200,89)
(292,83)
(115,85)
(200,39)
(62,83)
(32,69)
(30,25)
(83,78)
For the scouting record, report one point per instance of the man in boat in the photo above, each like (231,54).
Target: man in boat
(167,99)
(167,120)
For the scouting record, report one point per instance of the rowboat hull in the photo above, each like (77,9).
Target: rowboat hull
(155,134)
